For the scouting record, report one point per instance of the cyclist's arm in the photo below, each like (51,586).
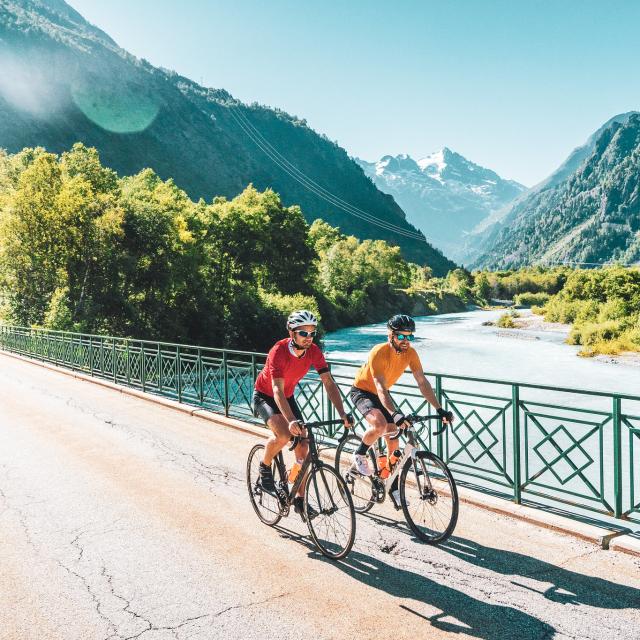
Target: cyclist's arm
(383,393)
(281,399)
(333,392)
(425,388)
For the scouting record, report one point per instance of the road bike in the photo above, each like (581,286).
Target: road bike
(427,491)
(328,508)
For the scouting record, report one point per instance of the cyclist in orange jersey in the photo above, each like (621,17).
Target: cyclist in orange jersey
(370,392)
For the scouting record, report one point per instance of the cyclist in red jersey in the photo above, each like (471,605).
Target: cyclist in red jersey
(287,363)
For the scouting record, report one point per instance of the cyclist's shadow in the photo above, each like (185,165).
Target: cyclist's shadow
(474,617)
(568,587)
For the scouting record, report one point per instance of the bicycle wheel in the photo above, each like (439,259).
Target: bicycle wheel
(266,505)
(360,487)
(329,512)
(429,497)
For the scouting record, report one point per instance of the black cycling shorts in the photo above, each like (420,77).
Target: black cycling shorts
(265,407)
(364,401)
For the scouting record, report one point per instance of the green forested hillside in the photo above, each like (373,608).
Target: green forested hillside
(592,216)
(83,249)
(64,80)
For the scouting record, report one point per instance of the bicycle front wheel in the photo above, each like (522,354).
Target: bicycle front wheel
(429,497)
(360,487)
(329,512)
(266,505)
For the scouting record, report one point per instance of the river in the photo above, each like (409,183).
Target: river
(459,344)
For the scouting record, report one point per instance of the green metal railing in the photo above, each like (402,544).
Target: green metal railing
(566,448)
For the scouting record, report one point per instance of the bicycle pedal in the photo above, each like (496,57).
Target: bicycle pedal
(284,510)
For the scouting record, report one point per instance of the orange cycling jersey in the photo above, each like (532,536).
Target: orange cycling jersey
(385,362)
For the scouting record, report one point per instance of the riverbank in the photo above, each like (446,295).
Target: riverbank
(531,323)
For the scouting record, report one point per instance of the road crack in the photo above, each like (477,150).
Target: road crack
(251,604)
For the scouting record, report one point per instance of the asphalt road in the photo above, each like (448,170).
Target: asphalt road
(123,519)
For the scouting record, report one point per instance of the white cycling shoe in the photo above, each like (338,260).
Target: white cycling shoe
(361,465)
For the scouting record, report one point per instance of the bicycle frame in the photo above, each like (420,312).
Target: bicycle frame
(409,451)
(312,461)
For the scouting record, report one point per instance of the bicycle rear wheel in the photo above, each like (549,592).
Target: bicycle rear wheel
(329,512)
(429,497)
(266,505)
(360,487)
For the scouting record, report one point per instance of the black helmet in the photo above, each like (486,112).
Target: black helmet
(401,322)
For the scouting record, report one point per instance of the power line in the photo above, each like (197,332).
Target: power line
(307,183)
(318,187)
(260,141)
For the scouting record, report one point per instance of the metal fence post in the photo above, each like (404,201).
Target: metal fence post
(617,456)
(329,409)
(128,357)
(440,436)
(179,369)
(159,360)
(515,413)
(200,378)
(225,377)
(91,356)
(143,359)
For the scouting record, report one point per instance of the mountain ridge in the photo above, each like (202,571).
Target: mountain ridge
(444,194)
(67,81)
(592,216)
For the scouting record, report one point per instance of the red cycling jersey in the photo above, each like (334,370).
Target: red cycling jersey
(281,363)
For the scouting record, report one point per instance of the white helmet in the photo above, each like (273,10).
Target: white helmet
(300,318)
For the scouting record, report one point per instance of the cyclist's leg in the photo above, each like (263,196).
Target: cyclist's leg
(377,417)
(376,429)
(302,449)
(266,408)
(278,439)
(392,438)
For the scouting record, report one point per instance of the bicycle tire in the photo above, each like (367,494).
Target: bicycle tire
(266,506)
(327,494)
(360,486)
(441,490)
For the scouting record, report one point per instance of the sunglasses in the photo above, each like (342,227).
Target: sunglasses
(402,336)
(306,334)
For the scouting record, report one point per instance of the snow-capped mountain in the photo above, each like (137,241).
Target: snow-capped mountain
(445,195)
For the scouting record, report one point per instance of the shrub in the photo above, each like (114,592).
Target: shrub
(561,310)
(614,309)
(592,333)
(506,320)
(531,299)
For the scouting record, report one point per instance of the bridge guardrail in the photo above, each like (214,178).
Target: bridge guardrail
(574,449)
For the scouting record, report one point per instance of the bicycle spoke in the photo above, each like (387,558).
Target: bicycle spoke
(333,529)
(266,505)
(360,487)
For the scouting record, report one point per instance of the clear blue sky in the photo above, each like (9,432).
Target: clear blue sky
(513,85)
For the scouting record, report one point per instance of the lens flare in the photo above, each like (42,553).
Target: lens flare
(119,108)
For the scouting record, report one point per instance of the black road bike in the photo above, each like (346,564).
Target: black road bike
(427,491)
(328,507)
